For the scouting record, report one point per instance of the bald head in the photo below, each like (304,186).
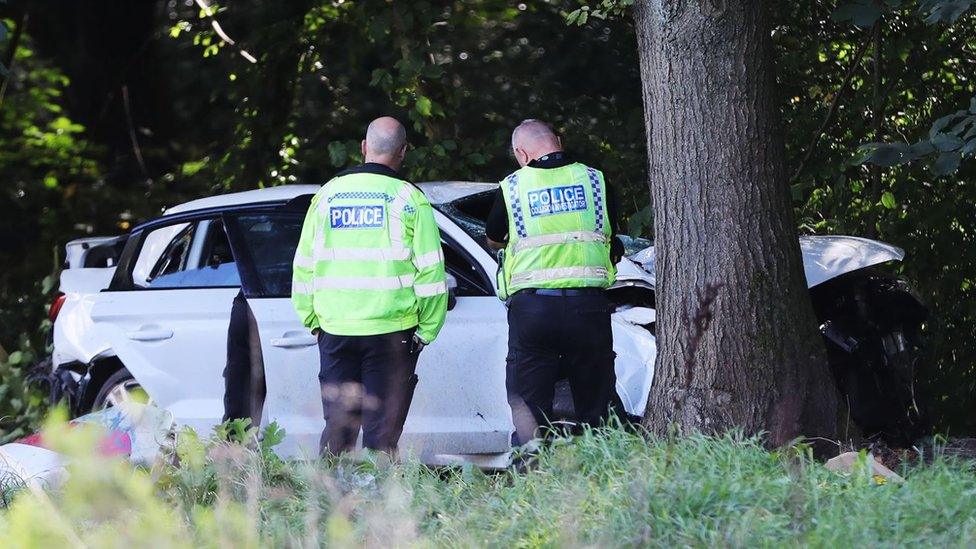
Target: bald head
(533,139)
(385,143)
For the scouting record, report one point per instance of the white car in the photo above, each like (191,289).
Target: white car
(158,321)
(155,319)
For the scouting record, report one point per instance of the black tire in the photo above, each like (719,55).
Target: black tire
(120,379)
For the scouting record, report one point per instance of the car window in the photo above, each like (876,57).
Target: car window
(470,277)
(269,241)
(186,255)
(471,214)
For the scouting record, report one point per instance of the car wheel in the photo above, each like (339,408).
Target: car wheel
(118,388)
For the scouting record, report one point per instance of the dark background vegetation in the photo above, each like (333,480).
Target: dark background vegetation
(115,109)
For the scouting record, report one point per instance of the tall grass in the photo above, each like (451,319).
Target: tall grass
(605,488)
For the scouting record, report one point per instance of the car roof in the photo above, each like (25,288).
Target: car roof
(438,192)
(443,192)
(282,193)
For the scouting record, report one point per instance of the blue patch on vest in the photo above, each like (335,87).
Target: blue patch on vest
(357,217)
(555,200)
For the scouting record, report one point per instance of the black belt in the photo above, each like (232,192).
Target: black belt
(564,292)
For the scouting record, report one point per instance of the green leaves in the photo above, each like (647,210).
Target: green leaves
(338,154)
(4,33)
(947,163)
(272,435)
(578,16)
(382,79)
(641,224)
(945,142)
(952,138)
(424,106)
(863,13)
(885,154)
(888,200)
(943,11)
(603,10)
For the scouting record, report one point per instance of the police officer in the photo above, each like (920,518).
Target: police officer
(369,280)
(553,221)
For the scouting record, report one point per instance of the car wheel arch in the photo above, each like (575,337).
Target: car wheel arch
(99,371)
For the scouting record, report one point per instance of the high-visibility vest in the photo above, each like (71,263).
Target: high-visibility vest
(558,230)
(369,260)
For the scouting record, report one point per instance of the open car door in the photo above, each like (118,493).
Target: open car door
(165,315)
(459,406)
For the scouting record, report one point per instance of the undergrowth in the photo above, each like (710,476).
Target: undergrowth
(605,488)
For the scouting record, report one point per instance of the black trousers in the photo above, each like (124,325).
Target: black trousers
(244,387)
(367,382)
(556,337)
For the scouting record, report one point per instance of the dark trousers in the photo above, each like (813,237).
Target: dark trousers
(552,337)
(244,388)
(368,382)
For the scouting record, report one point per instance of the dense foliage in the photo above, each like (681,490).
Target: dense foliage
(115,111)
(605,489)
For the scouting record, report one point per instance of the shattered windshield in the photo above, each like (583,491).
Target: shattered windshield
(471,214)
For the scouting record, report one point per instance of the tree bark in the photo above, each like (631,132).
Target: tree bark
(736,333)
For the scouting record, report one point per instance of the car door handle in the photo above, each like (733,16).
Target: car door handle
(289,341)
(150,335)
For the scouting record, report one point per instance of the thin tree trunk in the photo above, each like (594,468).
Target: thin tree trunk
(877,123)
(11,54)
(737,339)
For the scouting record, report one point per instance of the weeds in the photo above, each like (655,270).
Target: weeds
(607,487)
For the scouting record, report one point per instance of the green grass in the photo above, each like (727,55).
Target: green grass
(605,488)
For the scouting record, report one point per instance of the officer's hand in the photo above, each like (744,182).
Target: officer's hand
(417,344)
(316,331)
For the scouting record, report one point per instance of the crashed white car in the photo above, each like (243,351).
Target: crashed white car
(153,317)
(158,322)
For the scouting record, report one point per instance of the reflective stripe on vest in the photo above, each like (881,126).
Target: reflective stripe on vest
(363,254)
(559,273)
(304,262)
(363,283)
(558,238)
(428,259)
(430,290)
(303,288)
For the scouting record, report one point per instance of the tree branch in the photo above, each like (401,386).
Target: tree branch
(136,150)
(832,110)
(11,55)
(208,12)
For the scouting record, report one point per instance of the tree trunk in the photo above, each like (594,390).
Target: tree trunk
(736,333)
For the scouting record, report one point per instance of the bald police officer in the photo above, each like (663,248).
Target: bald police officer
(553,220)
(369,280)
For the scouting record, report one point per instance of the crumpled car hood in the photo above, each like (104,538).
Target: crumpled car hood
(824,258)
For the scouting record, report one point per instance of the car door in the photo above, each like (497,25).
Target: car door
(459,406)
(166,315)
(265,242)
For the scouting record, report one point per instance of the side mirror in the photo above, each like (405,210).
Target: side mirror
(452,285)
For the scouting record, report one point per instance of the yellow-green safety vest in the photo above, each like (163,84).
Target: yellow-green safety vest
(369,260)
(558,230)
